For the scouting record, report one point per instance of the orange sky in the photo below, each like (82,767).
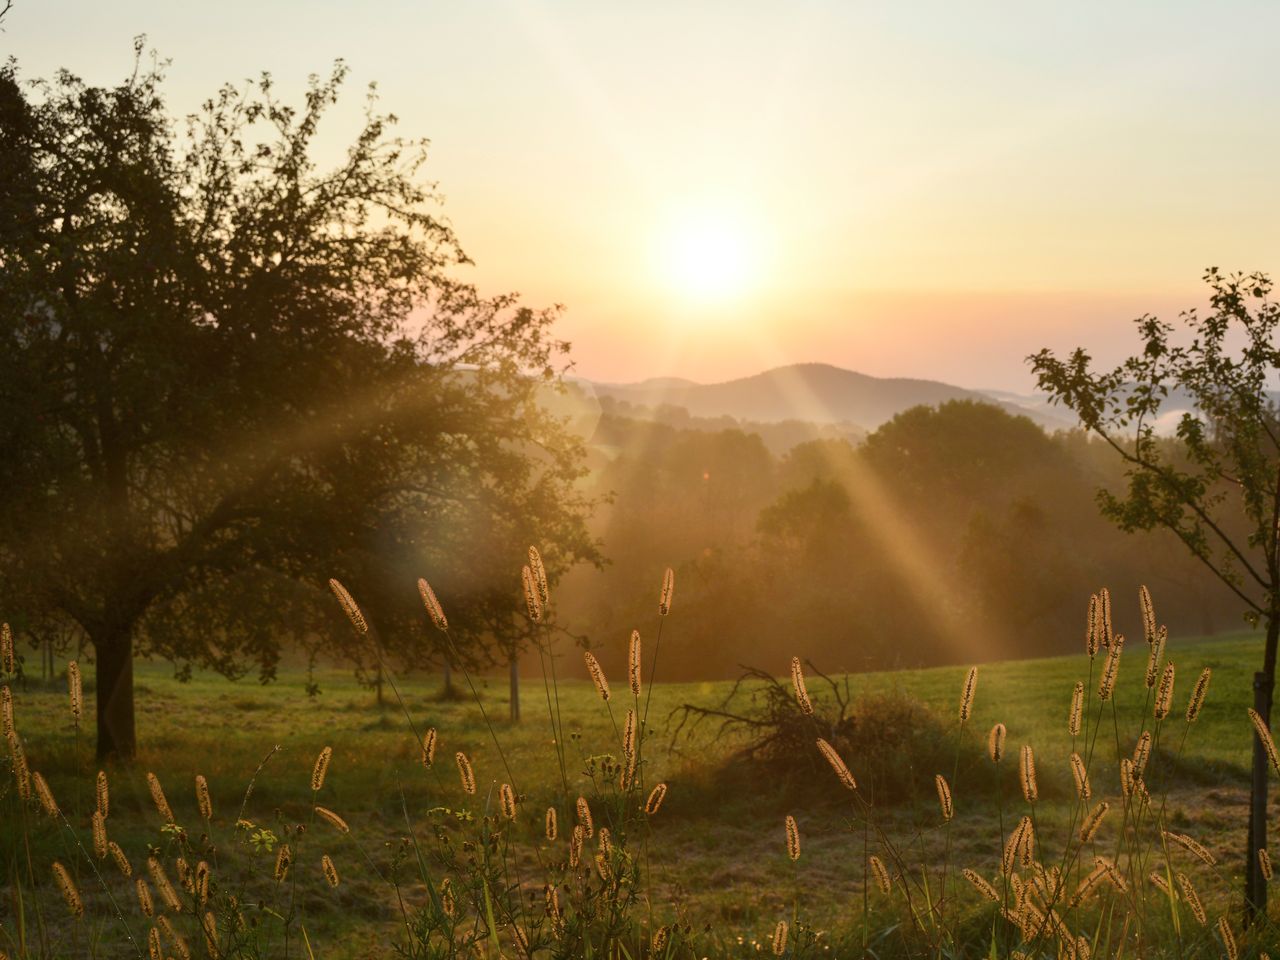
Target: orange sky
(929,189)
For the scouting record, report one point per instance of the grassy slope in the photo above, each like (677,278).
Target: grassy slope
(718,850)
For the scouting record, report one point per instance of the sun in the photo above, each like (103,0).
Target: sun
(709,258)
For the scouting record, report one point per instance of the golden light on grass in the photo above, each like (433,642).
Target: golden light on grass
(1092,822)
(633,662)
(1093,628)
(802,692)
(881,874)
(793,837)
(1264,735)
(981,884)
(667,592)
(329,870)
(434,610)
(1148,615)
(584,817)
(1164,692)
(1142,753)
(349,607)
(658,794)
(145,903)
(837,764)
(1027,774)
(158,798)
(335,821)
(8,662)
(507,801)
(320,769)
(162,884)
(1110,669)
(597,674)
(1195,703)
(67,887)
(1077,709)
(1192,846)
(539,571)
(98,826)
(1228,939)
(284,859)
(944,797)
(1080,774)
(780,938)
(122,862)
(75,690)
(429,740)
(44,794)
(967,693)
(995,743)
(532,600)
(466,775)
(1192,898)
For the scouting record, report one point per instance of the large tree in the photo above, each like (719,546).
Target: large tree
(227,373)
(1216,484)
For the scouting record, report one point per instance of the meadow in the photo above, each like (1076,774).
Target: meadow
(715,864)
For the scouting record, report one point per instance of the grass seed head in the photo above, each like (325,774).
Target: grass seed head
(145,903)
(780,938)
(1264,863)
(1164,692)
(539,570)
(966,694)
(349,607)
(1027,774)
(8,662)
(944,797)
(552,823)
(329,870)
(633,662)
(1190,895)
(1092,822)
(75,689)
(1149,632)
(532,600)
(667,592)
(158,798)
(1093,628)
(1080,774)
(1264,736)
(320,769)
(98,824)
(284,859)
(597,674)
(802,692)
(507,800)
(981,884)
(335,821)
(656,796)
(1077,709)
(1196,701)
(102,796)
(1228,939)
(793,837)
(837,764)
(584,817)
(122,862)
(44,794)
(429,740)
(995,743)
(434,610)
(881,874)
(1110,669)
(1193,846)
(466,775)
(67,887)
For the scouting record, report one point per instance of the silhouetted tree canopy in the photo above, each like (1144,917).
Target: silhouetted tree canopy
(227,373)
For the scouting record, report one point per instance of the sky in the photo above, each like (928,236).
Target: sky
(926,189)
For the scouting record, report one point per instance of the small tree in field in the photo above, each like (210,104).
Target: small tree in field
(228,374)
(1216,484)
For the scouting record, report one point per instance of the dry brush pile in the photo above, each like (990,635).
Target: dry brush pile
(486,873)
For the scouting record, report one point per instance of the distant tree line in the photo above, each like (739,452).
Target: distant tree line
(956,533)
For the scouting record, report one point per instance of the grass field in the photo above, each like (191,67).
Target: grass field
(718,852)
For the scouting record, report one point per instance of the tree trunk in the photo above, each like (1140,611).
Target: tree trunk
(117,735)
(1255,886)
(515,689)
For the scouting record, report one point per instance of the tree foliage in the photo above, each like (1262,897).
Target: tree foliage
(227,373)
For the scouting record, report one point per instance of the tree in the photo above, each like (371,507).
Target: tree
(1217,486)
(227,375)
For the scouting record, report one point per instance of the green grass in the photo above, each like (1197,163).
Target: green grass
(719,855)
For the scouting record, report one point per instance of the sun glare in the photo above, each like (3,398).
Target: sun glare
(709,259)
